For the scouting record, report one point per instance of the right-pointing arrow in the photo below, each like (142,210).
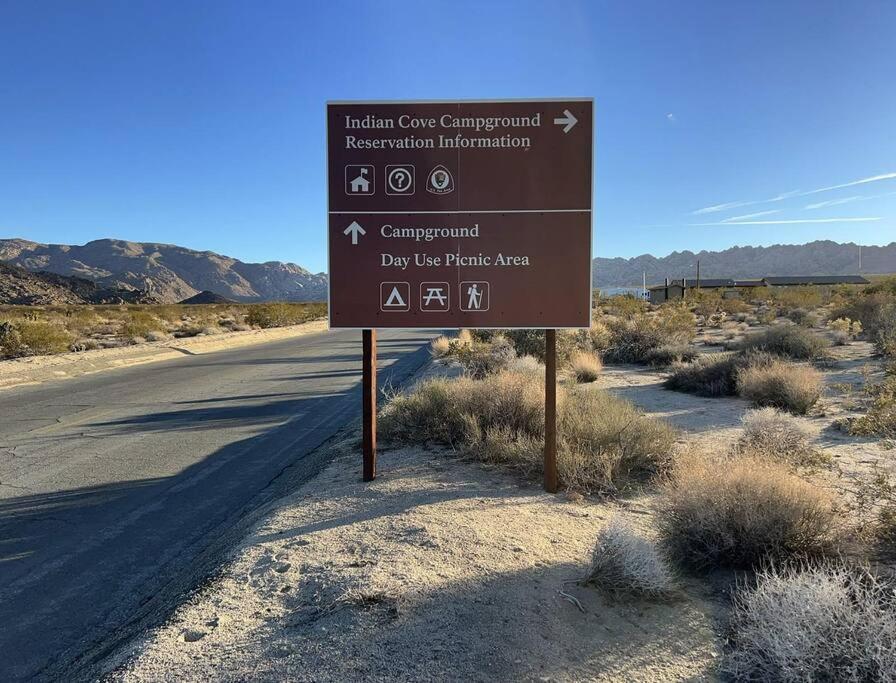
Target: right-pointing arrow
(567,120)
(354,230)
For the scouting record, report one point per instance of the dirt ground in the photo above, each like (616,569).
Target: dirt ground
(439,570)
(444,569)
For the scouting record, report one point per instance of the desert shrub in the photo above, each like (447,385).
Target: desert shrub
(852,328)
(528,342)
(40,338)
(741,512)
(11,344)
(624,561)
(803,317)
(876,311)
(668,354)
(625,306)
(598,338)
(791,341)
(839,338)
(280,314)
(735,307)
(880,417)
(767,316)
(781,385)
(607,444)
(585,367)
(714,374)
(634,338)
(826,622)
(808,297)
(141,324)
(771,433)
(440,346)
(604,443)
(481,359)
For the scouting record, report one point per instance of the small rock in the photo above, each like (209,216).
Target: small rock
(192,635)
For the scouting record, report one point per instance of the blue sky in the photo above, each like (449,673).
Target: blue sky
(202,123)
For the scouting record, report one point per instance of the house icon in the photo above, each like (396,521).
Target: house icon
(359,179)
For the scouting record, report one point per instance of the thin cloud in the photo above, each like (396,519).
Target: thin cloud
(751,215)
(721,207)
(670,117)
(862,219)
(835,202)
(787,195)
(863,181)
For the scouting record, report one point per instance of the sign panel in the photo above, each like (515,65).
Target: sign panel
(460,214)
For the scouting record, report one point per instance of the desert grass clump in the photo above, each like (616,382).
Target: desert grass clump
(440,346)
(663,356)
(880,417)
(795,388)
(770,433)
(633,339)
(741,512)
(825,622)
(39,338)
(585,367)
(480,359)
(604,444)
(140,324)
(791,341)
(714,374)
(626,562)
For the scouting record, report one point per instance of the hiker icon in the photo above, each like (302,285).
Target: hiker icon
(474,296)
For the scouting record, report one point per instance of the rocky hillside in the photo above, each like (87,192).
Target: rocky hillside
(168,272)
(814,258)
(21,287)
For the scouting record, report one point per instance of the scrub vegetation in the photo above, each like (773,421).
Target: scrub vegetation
(41,330)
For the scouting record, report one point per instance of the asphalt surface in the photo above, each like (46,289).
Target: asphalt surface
(122,490)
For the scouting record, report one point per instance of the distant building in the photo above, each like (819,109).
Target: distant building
(678,289)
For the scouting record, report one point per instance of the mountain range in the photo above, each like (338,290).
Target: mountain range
(110,270)
(167,272)
(822,257)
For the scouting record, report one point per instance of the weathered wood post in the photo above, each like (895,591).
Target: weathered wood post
(550,411)
(368,402)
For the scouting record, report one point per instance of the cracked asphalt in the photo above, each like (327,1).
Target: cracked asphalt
(121,491)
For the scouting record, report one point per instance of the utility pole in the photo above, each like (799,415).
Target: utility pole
(698,275)
(860,259)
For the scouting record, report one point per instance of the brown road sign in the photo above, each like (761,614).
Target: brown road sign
(460,214)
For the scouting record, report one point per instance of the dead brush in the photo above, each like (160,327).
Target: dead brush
(769,433)
(626,562)
(821,622)
(742,512)
(780,384)
(585,367)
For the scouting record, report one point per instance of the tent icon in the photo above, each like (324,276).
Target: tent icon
(395,296)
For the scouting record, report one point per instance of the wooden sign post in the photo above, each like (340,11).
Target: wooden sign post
(368,403)
(551,481)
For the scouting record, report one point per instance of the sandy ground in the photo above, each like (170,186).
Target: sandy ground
(444,569)
(439,570)
(37,369)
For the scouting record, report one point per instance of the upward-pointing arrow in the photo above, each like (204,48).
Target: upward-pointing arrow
(354,230)
(567,120)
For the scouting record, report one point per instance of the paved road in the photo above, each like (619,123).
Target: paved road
(118,491)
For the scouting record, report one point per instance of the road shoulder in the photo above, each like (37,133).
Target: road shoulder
(39,369)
